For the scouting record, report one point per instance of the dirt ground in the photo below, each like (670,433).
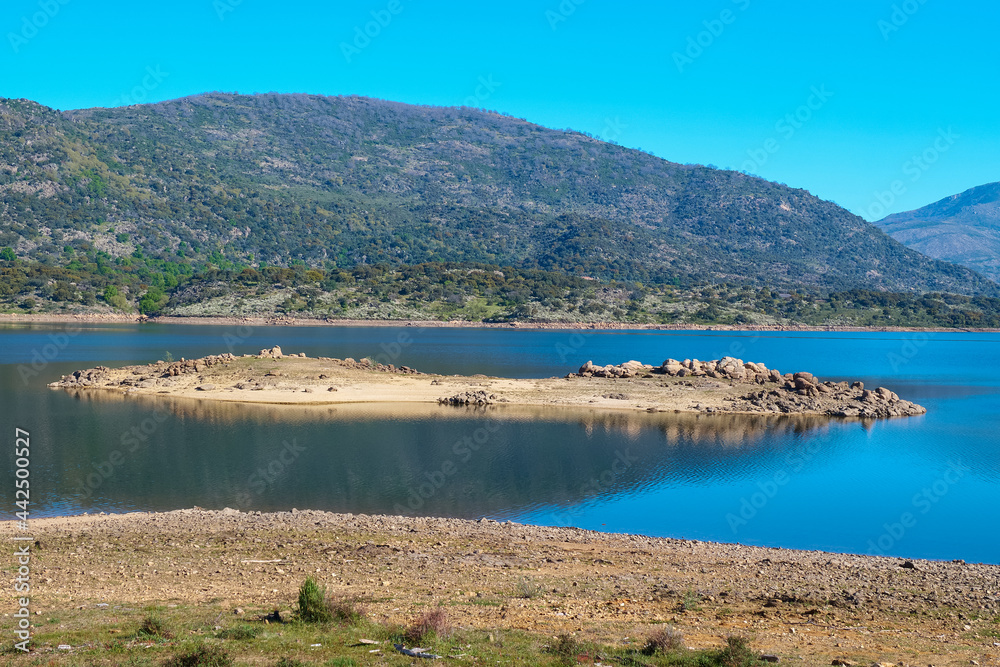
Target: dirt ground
(806,607)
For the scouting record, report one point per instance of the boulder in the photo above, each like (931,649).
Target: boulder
(808,377)
(803,383)
(671,367)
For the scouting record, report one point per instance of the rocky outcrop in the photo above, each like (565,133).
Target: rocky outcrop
(627,370)
(163,373)
(369,365)
(726,368)
(472,398)
(84,378)
(163,369)
(789,393)
(144,377)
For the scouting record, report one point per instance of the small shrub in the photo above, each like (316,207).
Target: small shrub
(242,632)
(692,601)
(664,640)
(345,611)
(137,661)
(527,589)
(432,624)
(312,603)
(737,653)
(567,648)
(203,656)
(154,626)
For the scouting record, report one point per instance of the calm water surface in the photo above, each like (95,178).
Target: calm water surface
(919,487)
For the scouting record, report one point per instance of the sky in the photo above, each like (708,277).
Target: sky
(880,106)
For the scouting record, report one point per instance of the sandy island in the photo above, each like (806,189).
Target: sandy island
(726,386)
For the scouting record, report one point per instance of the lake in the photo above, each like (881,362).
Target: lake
(919,487)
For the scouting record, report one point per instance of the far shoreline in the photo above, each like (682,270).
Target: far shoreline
(64,319)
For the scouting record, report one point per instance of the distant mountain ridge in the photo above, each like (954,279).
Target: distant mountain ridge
(237,180)
(963,228)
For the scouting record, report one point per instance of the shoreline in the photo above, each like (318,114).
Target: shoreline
(83,519)
(801,605)
(8,318)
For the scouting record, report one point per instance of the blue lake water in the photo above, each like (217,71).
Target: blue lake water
(925,487)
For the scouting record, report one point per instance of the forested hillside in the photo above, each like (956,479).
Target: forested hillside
(963,228)
(141,197)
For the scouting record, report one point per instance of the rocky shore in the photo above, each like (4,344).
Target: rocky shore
(800,392)
(725,386)
(807,608)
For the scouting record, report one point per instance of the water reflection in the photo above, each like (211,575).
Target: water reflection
(162,453)
(685,473)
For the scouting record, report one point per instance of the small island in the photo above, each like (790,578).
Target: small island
(725,386)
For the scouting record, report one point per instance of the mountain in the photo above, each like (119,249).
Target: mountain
(964,229)
(337,182)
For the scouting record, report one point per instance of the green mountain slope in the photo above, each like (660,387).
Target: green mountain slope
(964,229)
(342,181)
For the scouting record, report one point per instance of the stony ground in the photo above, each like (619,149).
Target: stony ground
(809,608)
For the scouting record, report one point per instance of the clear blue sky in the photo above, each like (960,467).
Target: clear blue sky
(922,82)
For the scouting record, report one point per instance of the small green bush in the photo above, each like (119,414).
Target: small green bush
(154,626)
(203,656)
(738,653)
(692,601)
(312,603)
(242,632)
(290,662)
(567,648)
